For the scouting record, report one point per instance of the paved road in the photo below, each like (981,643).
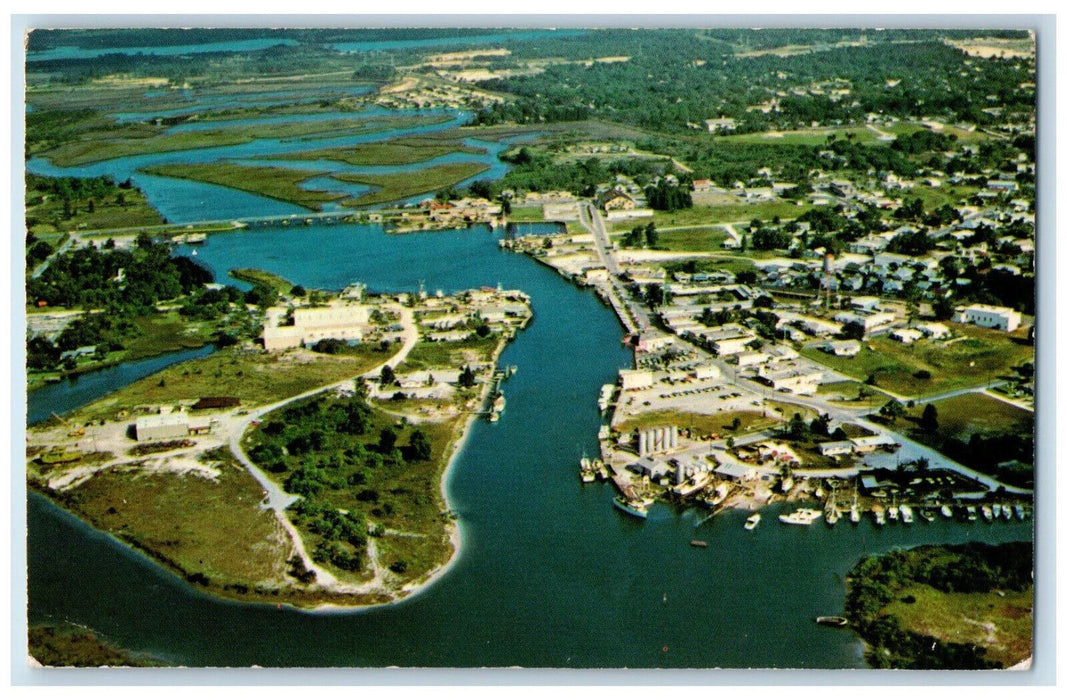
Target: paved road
(71,240)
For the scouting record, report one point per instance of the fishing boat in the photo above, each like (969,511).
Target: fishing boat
(907,515)
(987,513)
(927,515)
(636,509)
(752,522)
(946,510)
(803,516)
(972,513)
(1005,512)
(585,469)
(831,620)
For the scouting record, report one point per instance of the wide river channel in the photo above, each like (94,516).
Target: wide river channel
(549,574)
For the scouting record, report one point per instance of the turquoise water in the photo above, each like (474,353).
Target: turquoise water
(79,391)
(185,201)
(550,574)
(66,53)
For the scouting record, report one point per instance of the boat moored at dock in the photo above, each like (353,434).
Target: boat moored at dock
(752,522)
(634,508)
(803,516)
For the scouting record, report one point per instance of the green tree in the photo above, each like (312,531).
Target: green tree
(892,410)
(387,376)
(420,446)
(928,422)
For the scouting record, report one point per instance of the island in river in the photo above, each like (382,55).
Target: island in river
(233,474)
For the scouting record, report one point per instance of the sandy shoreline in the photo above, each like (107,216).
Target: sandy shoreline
(454,536)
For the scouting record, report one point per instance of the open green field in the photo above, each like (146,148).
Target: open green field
(697,216)
(701,423)
(981,357)
(107,144)
(934,197)
(210,530)
(402,185)
(1003,625)
(521,214)
(255,377)
(961,416)
(427,355)
(692,239)
(269,181)
(802,137)
(401,151)
(849,394)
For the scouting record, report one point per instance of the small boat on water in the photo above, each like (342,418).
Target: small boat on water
(946,510)
(752,522)
(879,515)
(987,513)
(907,515)
(927,515)
(972,514)
(832,515)
(1005,512)
(585,469)
(854,514)
(1019,512)
(894,512)
(698,543)
(636,509)
(803,516)
(832,620)
(995,510)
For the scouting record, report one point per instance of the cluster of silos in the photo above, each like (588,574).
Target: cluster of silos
(654,440)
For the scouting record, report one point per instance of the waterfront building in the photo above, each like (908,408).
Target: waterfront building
(339,320)
(635,379)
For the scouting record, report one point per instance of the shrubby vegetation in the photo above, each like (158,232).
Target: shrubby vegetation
(876,581)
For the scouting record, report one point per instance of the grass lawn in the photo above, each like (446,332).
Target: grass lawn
(692,239)
(269,181)
(428,355)
(1003,625)
(961,416)
(701,423)
(802,137)
(255,377)
(934,197)
(848,393)
(401,151)
(531,213)
(729,213)
(195,525)
(981,357)
(402,185)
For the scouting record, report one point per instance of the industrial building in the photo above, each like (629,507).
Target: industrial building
(986,316)
(311,324)
(170,426)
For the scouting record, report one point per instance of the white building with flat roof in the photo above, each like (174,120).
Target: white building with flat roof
(636,379)
(986,316)
(340,320)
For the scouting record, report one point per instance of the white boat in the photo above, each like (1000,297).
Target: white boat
(946,510)
(1005,512)
(1019,512)
(803,516)
(907,515)
(854,513)
(752,522)
(995,510)
(972,513)
(879,515)
(894,512)
(987,513)
(832,515)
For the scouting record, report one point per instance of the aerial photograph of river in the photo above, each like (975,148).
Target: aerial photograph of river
(582,348)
